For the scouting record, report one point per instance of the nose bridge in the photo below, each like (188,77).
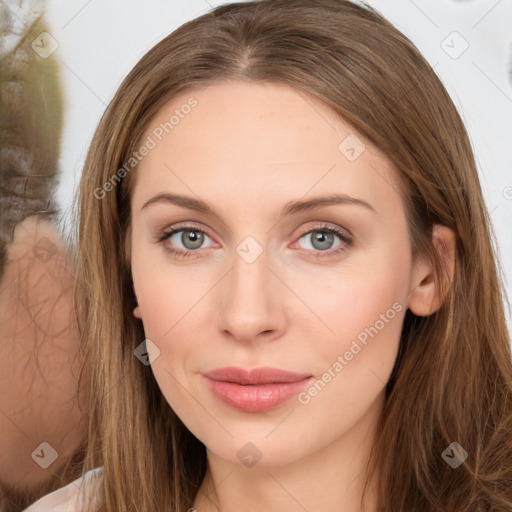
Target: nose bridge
(249,275)
(250,298)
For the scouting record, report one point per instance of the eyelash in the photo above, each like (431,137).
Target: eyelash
(347,241)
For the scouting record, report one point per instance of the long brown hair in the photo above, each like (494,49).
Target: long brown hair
(452,380)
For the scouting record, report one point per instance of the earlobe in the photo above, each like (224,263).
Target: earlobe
(428,291)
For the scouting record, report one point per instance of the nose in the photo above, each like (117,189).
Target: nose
(252,301)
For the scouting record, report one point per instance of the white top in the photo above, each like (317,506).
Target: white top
(72,497)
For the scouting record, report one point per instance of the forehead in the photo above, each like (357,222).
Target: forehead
(255,139)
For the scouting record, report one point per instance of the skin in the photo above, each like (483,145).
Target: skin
(38,363)
(247,150)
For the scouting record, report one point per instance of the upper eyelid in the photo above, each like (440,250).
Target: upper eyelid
(186,227)
(325,225)
(328,226)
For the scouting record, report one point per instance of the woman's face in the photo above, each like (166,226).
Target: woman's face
(265,282)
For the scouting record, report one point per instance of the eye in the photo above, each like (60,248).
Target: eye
(321,239)
(191,239)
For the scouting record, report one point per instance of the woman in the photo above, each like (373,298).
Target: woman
(292,293)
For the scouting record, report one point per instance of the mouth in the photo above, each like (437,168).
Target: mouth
(255,390)
(263,375)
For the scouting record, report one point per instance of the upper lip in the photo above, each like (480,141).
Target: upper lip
(261,375)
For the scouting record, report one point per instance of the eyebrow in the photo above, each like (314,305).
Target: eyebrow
(290,208)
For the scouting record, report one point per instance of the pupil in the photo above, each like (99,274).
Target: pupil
(323,238)
(193,237)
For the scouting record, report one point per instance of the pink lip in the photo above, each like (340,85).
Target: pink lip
(256,390)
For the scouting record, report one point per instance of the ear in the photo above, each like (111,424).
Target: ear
(136,310)
(429,291)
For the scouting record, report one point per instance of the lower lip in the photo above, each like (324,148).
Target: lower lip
(256,398)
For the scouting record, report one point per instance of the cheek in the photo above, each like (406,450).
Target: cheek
(166,294)
(365,298)
(364,306)
(167,316)
(171,302)
(353,368)
(358,358)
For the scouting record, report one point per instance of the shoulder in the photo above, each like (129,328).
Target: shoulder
(71,497)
